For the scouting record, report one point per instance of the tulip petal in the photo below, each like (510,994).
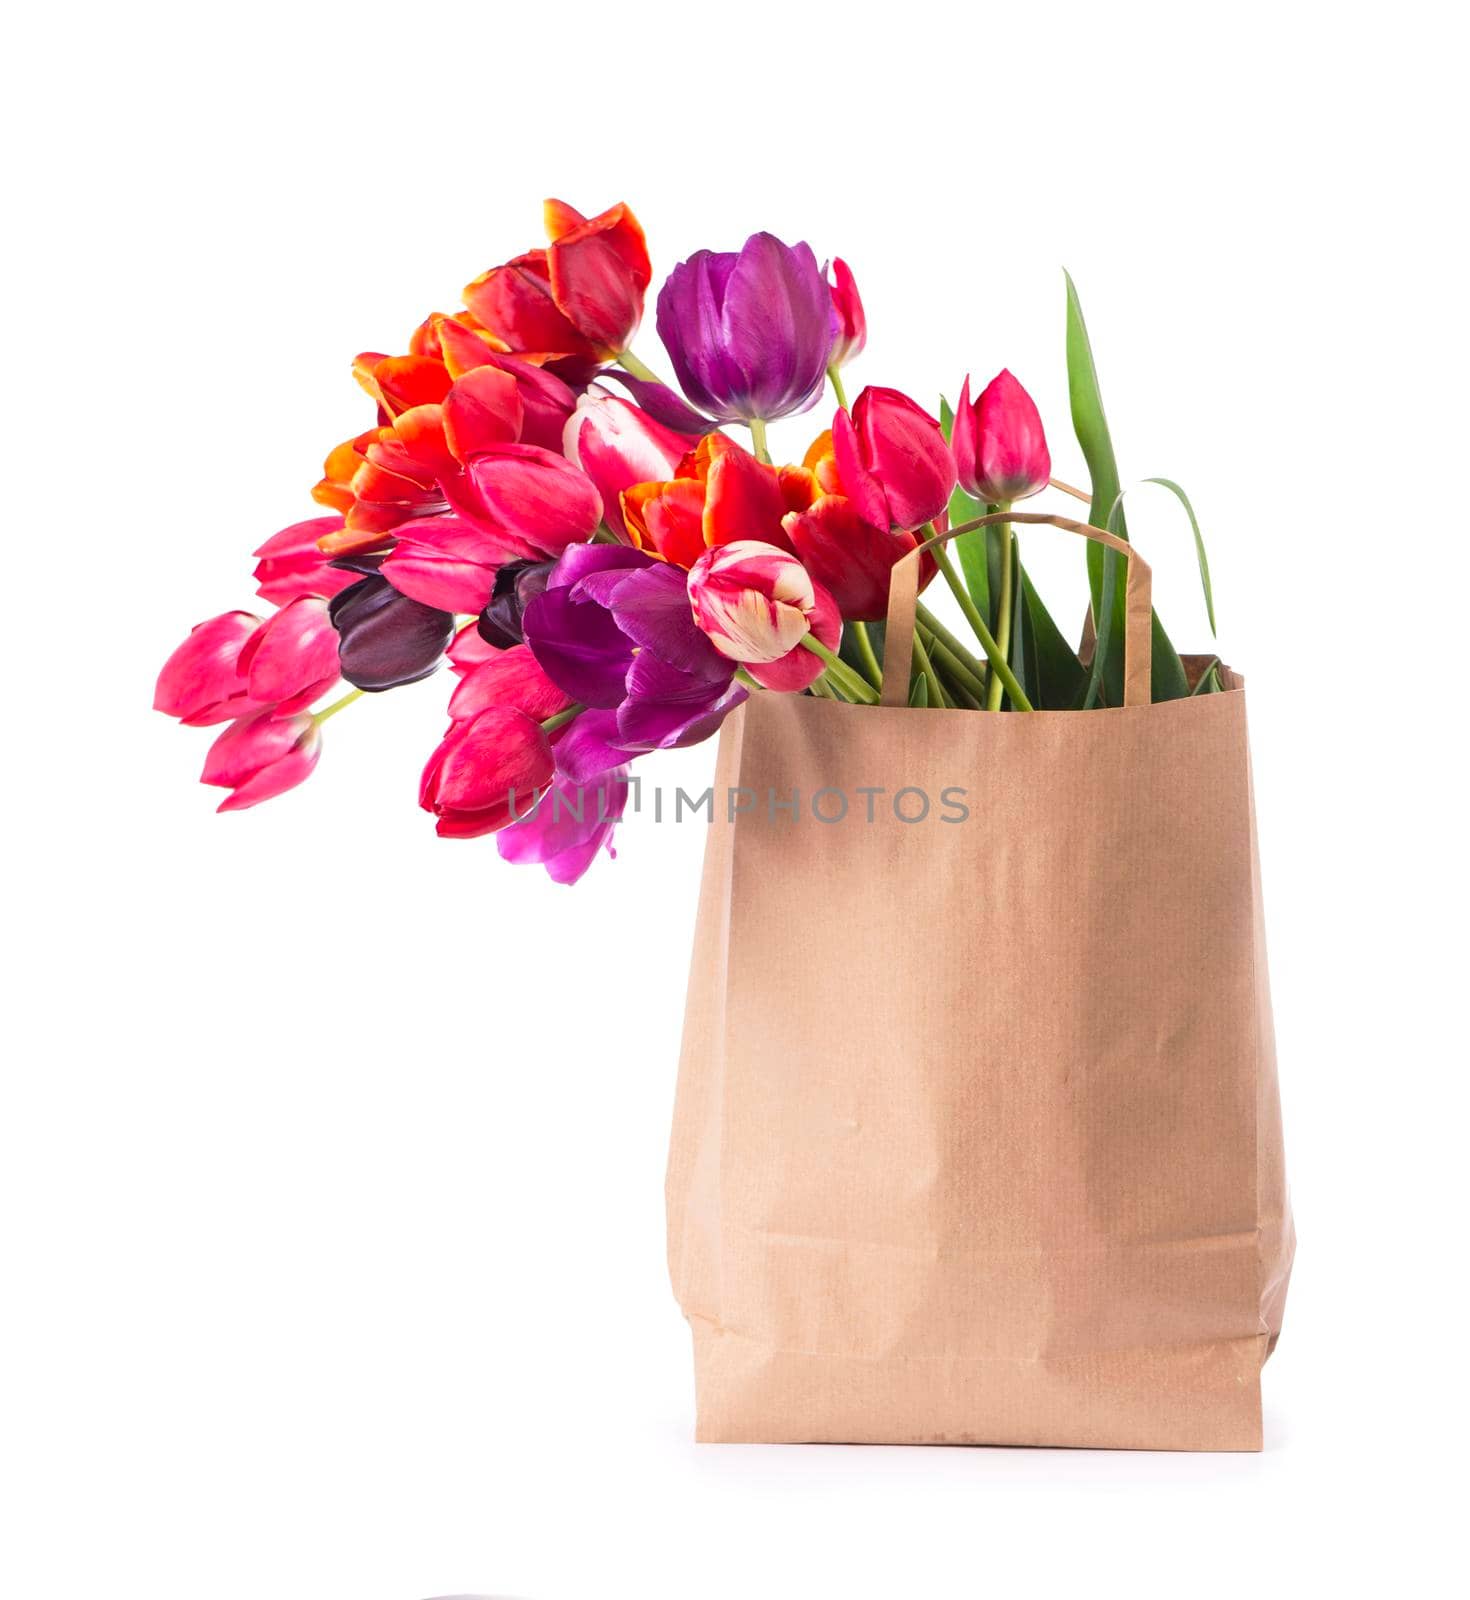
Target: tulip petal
(580,647)
(588,747)
(847,555)
(512,678)
(482,410)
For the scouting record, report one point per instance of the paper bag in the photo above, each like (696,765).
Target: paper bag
(977,1136)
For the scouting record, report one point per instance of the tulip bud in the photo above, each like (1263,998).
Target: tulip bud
(384,638)
(999,443)
(756,604)
(486,771)
(201,682)
(292,660)
(849,324)
(516,585)
(261,756)
(892,460)
(291,563)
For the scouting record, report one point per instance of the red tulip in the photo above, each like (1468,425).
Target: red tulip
(847,311)
(848,555)
(486,771)
(291,564)
(617,445)
(262,756)
(292,660)
(511,678)
(756,604)
(599,270)
(999,443)
(892,460)
(201,683)
(575,303)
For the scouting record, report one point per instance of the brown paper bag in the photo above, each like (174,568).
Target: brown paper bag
(977,1135)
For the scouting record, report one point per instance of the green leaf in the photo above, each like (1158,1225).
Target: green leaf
(1090,424)
(1059,677)
(919,693)
(1199,540)
(1209,679)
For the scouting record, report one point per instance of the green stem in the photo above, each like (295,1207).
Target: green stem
(605,535)
(319,717)
(852,684)
(561,719)
(758,439)
(871,665)
(977,669)
(1004,606)
(748,681)
(997,661)
(937,696)
(630,363)
(961,672)
(834,377)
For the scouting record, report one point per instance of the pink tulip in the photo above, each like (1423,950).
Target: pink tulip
(513,678)
(617,445)
(570,825)
(999,443)
(292,660)
(847,312)
(447,562)
(261,756)
(892,460)
(290,563)
(201,682)
(485,772)
(756,604)
(534,503)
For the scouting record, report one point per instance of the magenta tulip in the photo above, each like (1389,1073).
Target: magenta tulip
(510,678)
(999,443)
(485,772)
(571,823)
(847,316)
(617,445)
(445,562)
(892,460)
(292,660)
(756,604)
(290,563)
(261,756)
(201,683)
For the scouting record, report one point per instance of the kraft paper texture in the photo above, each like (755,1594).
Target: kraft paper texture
(977,1136)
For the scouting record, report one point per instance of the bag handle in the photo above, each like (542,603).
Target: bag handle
(903,597)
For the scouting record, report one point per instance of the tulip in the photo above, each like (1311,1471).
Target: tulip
(201,683)
(516,585)
(535,503)
(570,825)
(756,604)
(614,631)
(511,678)
(292,660)
(384,638)
(261,756)
(575,303)
(445,562)
(849,556)
(892,460)
(291,564)
(485,771)
(617,445)
(850,325)
(749,334)
(468,651)
(999,443)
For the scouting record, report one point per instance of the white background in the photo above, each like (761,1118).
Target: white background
(331,1154)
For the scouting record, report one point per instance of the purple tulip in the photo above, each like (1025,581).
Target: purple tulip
(568,826)
(615,631)
(750,334)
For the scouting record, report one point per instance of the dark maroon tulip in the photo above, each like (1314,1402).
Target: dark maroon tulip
(516,585)
(384,638)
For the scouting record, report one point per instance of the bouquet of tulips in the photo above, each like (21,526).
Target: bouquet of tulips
(610,573)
